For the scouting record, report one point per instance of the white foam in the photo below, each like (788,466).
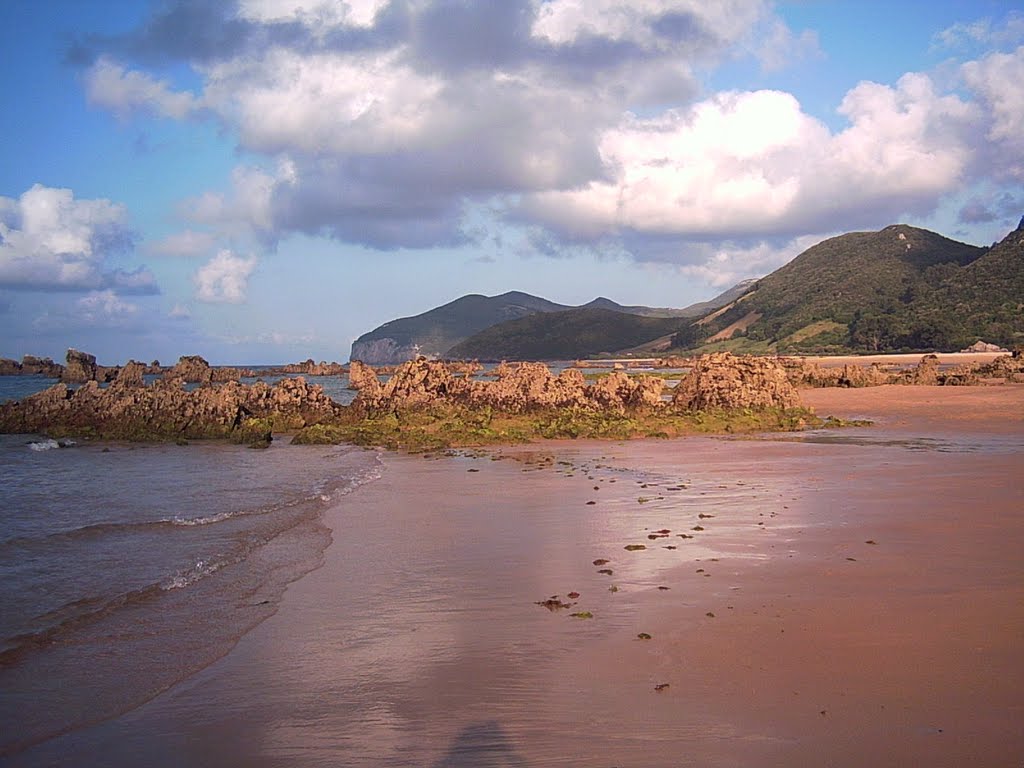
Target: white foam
(220,517)
(49,445)
(183,579)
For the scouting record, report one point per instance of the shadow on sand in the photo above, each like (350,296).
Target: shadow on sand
(482,745)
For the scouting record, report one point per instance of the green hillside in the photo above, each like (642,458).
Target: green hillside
(898,288)
(567,335)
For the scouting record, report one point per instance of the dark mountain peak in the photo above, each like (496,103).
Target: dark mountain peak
(603,303)
(1020,227)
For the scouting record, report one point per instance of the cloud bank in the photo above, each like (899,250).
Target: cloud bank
(51,241)
(387,124)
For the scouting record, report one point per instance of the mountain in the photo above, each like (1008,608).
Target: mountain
(602,303)
(433,332)
(567,335)
(436,331)
(898,288)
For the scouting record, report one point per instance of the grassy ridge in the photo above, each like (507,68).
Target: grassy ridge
(564,335)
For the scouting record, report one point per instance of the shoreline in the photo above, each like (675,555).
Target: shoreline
(909,652)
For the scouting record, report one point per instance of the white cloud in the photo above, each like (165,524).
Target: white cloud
(179,312)
(360,13)
(388,121)
(105,309)
(185,243)
(725,264)
(224,279)
(247,206)
(755,163)
(997,80)
(778,46)
(110,85)
(284,100)
(984,31)
(641,21)
(51,241)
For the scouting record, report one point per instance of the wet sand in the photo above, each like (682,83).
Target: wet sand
(847,598)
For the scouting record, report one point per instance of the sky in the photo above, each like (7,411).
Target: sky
(262,181)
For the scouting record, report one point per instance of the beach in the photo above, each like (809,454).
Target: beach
(843,597)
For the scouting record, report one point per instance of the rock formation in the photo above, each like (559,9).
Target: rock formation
(983,346)
(926,372)
(81,367)
(195,370)
(806,374)
(128,409)
(722,380)
(31,366)
(717,381)
(310,368)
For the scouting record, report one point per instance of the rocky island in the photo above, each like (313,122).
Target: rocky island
(429,404)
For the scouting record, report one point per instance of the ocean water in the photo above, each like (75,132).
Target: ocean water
(126,568)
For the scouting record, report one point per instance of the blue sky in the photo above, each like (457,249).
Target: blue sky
(262,181)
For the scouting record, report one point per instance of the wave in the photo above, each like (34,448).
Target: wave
(80,613)
(49,445)
(86,611)
(99,530)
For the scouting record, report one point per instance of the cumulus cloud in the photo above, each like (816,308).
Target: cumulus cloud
(360,13)
(179,312)
(702,172)
(105,308)
(996,79)
(51,241)
(723,265)
(390,123)
(224,279)
(645,22)
(110,85)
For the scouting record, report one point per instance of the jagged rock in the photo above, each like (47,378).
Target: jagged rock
(42,366)
(926,372)
(195,370)
(9,367)
(618,391)
(364,380)
(722,380)
(517,389)
(165,409)
(191,368)
(673,361)
(130,375)
(530,386)
(982,346)
(805,374)
(310,368)
(80,368)
(1008,367)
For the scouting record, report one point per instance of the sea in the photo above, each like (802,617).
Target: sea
(124,568)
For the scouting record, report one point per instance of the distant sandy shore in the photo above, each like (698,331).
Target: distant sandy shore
(846,598)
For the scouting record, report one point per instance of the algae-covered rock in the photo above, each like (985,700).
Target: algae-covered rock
(722,380)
